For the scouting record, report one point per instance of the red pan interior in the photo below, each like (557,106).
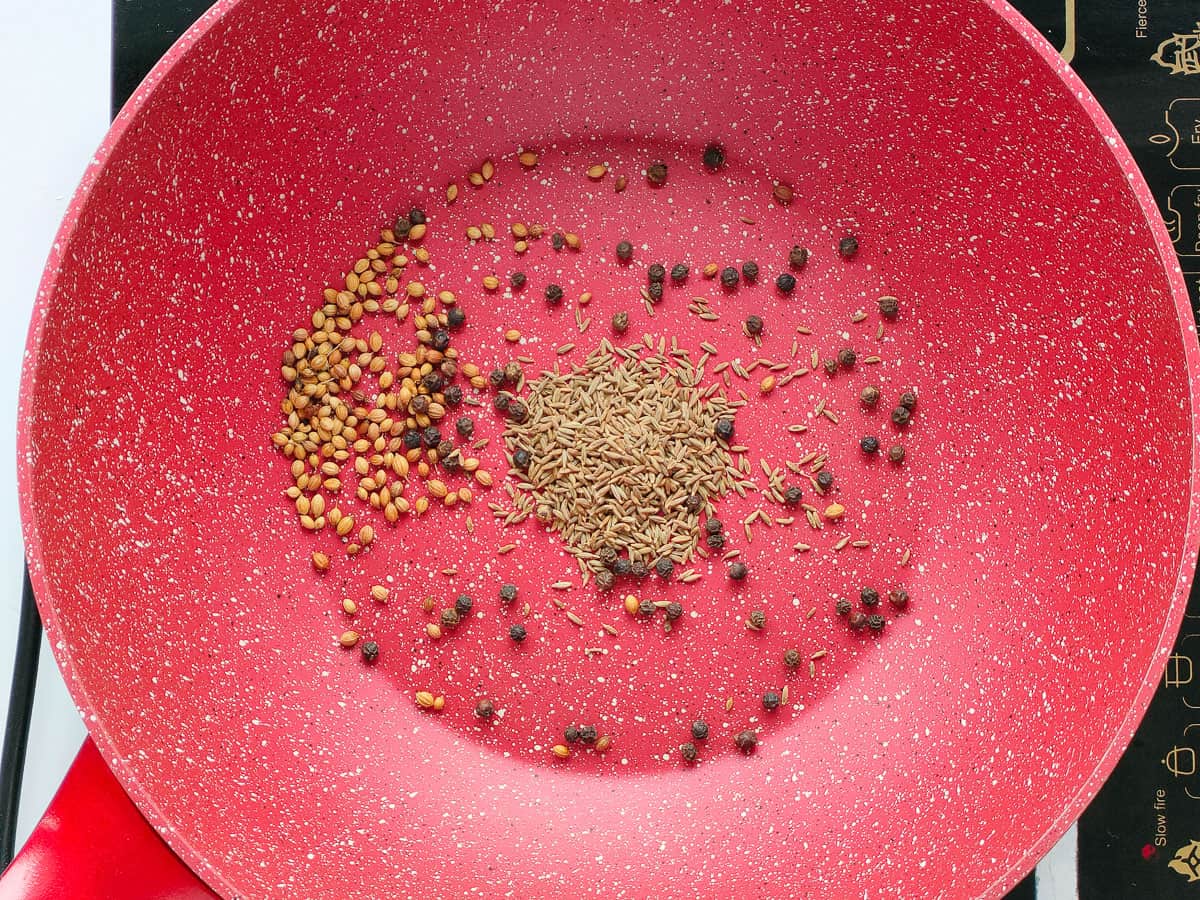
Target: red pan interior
(1046,500)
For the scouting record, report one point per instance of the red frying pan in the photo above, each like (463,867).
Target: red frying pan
(1042,522)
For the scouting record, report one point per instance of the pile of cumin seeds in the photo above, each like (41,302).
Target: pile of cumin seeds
(617,446)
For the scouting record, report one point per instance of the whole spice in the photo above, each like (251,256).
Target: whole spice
(557,240)
(729,277)
(793,495)
(896,453)
(898,597)
(620,322)
(901,416)
(463,604)
(908,400)
(869,596)
(571,734)
(522,458)
(508,593)
(496,377)
(603,743)
(791,658)
(848,246)
(889,307)
(700,730)
(647,607)
(714,156)
(632,605)
(554,294)
(622,566)
(746,740)
(869,395)
(715,540)
(713,525)
(825,479)
(738,571)
(876,622)
(449,618)
(847,358)
(638,569)
(465,426)
(786,282)
(724,429)
(561,751)
(679,273)
(797,257)
(693,503)
(842,606)
(782,194)
(656,173)
(370,651)
(605,580)
(674,610)
(857,621)
(830,366)
(770,700)
(757,620)
(502,401)
(754,325)
(750,270)
(517,280)
(869,444)
(688,751)
(624,251)
(656,272)
(655,290)
(320,561)
(456,318)
(484,708)
(587,734)
(517,632)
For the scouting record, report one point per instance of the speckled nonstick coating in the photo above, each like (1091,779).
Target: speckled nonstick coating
(1048,499)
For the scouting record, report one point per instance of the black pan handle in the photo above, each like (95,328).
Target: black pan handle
(20,711)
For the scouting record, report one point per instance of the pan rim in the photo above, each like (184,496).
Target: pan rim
(209,871)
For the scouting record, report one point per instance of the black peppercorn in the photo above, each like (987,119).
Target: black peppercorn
(714,156)
(517,280)
(607,555)
(693,503)
(465,426)
(869,596)
(402,227)
(901,416)
(441,340)
(554,294)
(571,734)
(417,216)
(453,395)
(496,377)
(786,282)
(516,632)
(605,580)
(512,372)
(674,610)
(738,571)
(622,566)
(432,436)
(754,325)
(869,444)
(842,607)
(889,307)
(825,479)
(657,173)
(656,272)
(869,395)
(502,401)
(898,597)
(848,246)
(679,273)
(908,400)
(655,290)
(412,439)
(450,618)
(757,619)
(770,700)
(587,734)
(637,568)
(798,257)
(522,458)
(448,456)
(620,322)
(664,568)
(791,658)
(750,270)
(713,526)
(792,496)
(724,429)
(420,403)
(456,317)
(624,251)
(558,240)
(729,277)
(433,382)
(857,621)
(847,358)
(715,541)
(484,709)
(830,366)
(508,593)
(370,651)
(518,412)
(647,608)
(896,453)
(746,740)
(463,604)
(876,622)
(688,751)
(700,730)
